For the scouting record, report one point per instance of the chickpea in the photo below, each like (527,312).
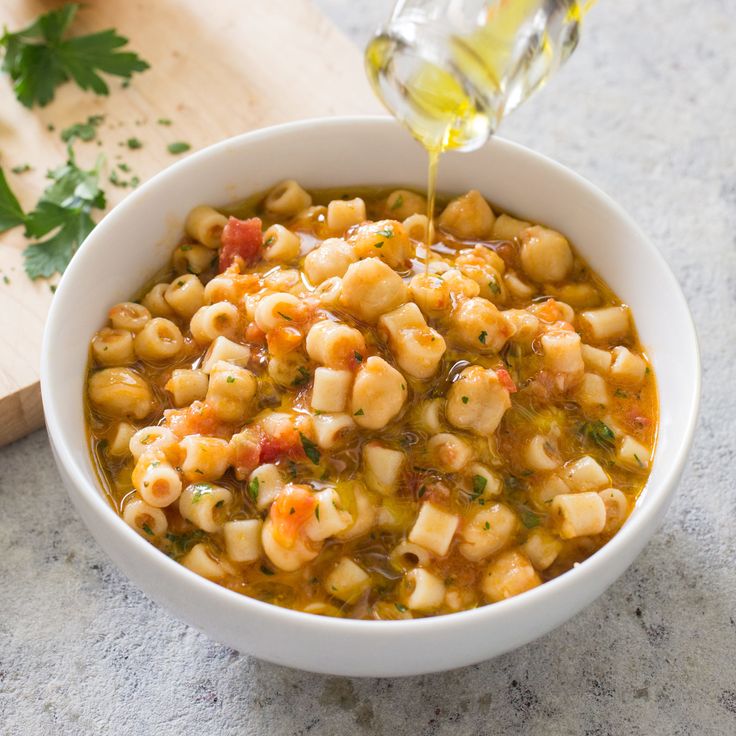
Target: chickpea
(478,325)
(450,452)
(508,575)
(370,288)
(402,204)
(477,401)
(385,239)
(379,393)
(431,293)
(487,531)
(330,259)
(468,217)
(120,392)
(545,254)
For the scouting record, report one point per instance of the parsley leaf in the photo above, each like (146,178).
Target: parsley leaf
(84,131)
(599,433)
(39,58)
(479,485)
(64,207)
(178,147)
(253,488)
(11,214)
(310,449)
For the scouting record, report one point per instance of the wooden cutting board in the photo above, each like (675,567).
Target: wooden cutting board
(218,68)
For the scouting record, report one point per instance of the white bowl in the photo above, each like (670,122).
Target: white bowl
(135,240)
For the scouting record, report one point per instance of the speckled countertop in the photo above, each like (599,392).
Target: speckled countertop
(646,109)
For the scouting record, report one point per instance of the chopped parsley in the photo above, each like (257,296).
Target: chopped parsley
(230,379)
(479,485)
(147,529)
(358,356)
(422,490)
(482,337)
(267,570)
(359,413)
(599,433)
(465,399)
(164,121)
(302,378)
(494,287)
(487,525)
(21,169)
(83,131)
(134,143)
(530,519)
(253,488)
(178,147)
(379,244)
(401,608)
(316,512)
(386,232)
(285,316)
(310,449)
(398,202)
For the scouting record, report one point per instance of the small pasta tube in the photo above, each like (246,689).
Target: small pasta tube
(331,389)
(344,213)
(112,347)
(428,416)
(331,430)
(187,386)
(417,227)
(550,487)
(289,370)
(509,574)
(617,508)
(382,467)
(205,458)
(579,514)
(118,441)
(329,291)
(449,452)
(632,454)
(215,320)
(185,295)
(364,515)
(334,344)
(627,367)
(592,392)
(562,353)
(606,324)
(264,484)
(225,349)
(407,556)
(542,548)
(280,244)
(585,474)
(199,559)
(205,505)
(155,301)
(120,393)
(346,580)
(518,288)
(287,558)
(278,310)
(596,359)
(243,539)
(155,438)
(191,258)
(434,529)
(205,224)
(129,316)
(431,294)
(422,591)
(155,479)
(287,199)
(159,340)
(541,454)
(230,391)
(507,228)
(329,517)
(487,531)
(149,521)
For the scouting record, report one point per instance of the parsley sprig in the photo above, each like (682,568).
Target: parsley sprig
(63,212)
(40,57)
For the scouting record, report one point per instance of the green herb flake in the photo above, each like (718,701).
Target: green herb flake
(599,433)
(220,504)
(230,379)
(386,232)
(422,490)
(494,287)
(178,147)
(379,244)
(253,489)
(358,413)
(134,143)
(487,525)
(401,608)
(267,570)
(316,512)
(269,241)
(398,202)
(479,485)
(302,378)
(530,519)
(124,168)
(482,337)
(465,399)
(358,356)
(6,280)
(164,121)
(285,316)
(147,529)
(310,449)
(85,132)
(638,461)
(22,169)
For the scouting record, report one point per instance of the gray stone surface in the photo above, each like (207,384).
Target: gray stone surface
(645,109)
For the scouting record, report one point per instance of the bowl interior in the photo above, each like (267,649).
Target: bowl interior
(135,240)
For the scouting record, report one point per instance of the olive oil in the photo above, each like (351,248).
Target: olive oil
(449,71)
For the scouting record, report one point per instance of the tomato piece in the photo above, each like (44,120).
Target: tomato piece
(506,381)
(241,239)
(198,418)
(291,510)
(286,445)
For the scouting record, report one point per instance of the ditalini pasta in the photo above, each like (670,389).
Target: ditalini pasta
(310,409)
